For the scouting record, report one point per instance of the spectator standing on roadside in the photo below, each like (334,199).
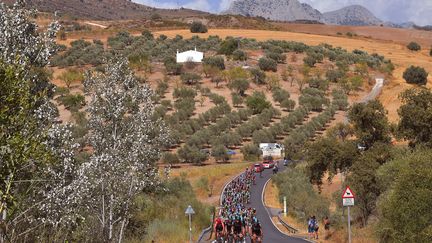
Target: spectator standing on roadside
(315,227)
(310,227)
(327,227)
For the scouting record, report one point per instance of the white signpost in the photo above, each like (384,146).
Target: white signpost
(348,201)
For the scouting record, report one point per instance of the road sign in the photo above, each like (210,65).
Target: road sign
(348,202)
(348,193)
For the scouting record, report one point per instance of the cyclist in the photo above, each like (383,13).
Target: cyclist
(256,232)
(238,229)
(219,229)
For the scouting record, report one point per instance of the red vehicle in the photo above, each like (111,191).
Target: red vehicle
(258,168)
(268,162)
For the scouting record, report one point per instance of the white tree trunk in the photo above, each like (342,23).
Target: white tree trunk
(111,217)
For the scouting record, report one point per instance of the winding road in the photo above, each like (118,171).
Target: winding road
(271,233)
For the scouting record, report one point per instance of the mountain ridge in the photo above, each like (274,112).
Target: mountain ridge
(292,10)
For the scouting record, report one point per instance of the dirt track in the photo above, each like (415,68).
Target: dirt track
(398,53)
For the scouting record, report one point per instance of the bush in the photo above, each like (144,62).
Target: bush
(280,95)
(257,102)
(310,61)
(220,153)
(278,57)
(237,100)
(414,46)
(70,76)
(170,158)
(228,46)
(239,85)
(258,76)
(73,102)
(415,75)
(239,55)
(251,152)
(288,104)
(190,78)
(198,27)
(162,87)
(184,92)
(191,154)
(302,199)
(267,64)
(215,61)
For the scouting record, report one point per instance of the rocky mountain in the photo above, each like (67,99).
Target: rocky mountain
(292,10)
(285,10)
(105,9)
(352,15)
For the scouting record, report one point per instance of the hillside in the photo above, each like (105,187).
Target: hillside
(105,9)
(352,15)
(285,10)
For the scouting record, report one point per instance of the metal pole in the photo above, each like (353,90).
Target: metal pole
(190,228)
(285,207)
(349,225)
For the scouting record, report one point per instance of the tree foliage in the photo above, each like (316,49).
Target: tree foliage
(414,46)
(257,102)
(198,27)
(415,75)
(416,117)
(370,123)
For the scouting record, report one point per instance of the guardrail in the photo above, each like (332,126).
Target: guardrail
(204,232)
(290,229)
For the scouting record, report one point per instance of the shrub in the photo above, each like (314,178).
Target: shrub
(198,27)
(415,75)
(414,46)
(220,153)
(333,75)
(288,104)
(278,57)
(280,95)
(228,46)
(215,61)
(237,99)
(184,92)
(70,76)
(162,87)
(267,64)
(257,102)
(239,55)
(313,98)
(73,102)
(251,152)
(310,61)
(147,34)
(190,78)
(191,154)
(171,66)
(170,158)
(239,85)
(258,76)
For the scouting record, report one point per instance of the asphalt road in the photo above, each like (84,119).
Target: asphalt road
(271,233)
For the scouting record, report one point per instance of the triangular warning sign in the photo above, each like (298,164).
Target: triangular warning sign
(348,193)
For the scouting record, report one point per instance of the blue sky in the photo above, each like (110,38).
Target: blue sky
(418,11)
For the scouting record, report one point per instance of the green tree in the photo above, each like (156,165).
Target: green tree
(198,27)
(215,61)
(280,95)
(236,73)
(414,46)
(258,76)
(404,211)
(190,78)
(288,104)
(239,55)
(228,46)
(237,99)
(220,153)
(239,85)
(370,122)
(415,75)
(257,102)
(70,76)
(251,152)
(415,114)
(267,64)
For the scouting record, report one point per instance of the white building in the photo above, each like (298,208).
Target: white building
(190,56)
(271,149)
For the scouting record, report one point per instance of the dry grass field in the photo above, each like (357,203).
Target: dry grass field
(398,53)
